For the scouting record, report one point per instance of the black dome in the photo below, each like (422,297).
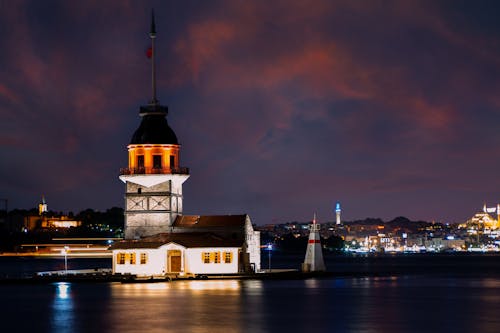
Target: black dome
(154,129)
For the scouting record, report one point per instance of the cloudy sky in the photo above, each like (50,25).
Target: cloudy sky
(282,107)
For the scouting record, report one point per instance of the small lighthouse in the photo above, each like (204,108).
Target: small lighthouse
(314,253)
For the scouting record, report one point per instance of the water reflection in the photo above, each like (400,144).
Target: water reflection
(312,283)
(374,282)
(161,288)
(62,290)
(63,315)
(377,304)
(486,283)
(227,285)
(196,306)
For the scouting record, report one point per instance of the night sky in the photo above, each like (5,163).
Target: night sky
(281,107)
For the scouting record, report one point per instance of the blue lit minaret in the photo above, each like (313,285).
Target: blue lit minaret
(337,212)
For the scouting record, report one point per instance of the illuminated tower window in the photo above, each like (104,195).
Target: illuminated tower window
(156,161)
(172,161)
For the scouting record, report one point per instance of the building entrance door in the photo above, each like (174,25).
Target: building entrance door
(174,261)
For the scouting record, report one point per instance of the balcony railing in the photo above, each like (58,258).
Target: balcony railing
(154,171)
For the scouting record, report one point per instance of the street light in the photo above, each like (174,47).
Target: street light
(269,249)
(64,251)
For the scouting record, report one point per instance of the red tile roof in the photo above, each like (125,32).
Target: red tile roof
(204,221)
(188,240)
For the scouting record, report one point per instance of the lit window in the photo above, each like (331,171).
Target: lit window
(132,258)
(140,161)
(172,162)
(217,257)
(228,257)
(206,257)
(121,258)
(144,258)
(156,161)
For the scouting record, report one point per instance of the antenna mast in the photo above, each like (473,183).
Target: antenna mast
(152,35)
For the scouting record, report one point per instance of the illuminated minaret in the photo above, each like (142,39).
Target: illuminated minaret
(313,261)
(154,178)
(337,212)
(42,206)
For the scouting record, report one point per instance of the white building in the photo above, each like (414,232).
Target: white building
(200,245)
(178,254)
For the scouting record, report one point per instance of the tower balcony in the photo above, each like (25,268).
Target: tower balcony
(154,171)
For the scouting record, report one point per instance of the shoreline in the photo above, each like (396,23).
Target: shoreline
(39,269)
(72,255)
(98,276)
(101,276)
(103,255)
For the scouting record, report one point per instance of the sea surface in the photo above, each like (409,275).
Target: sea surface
(383,293)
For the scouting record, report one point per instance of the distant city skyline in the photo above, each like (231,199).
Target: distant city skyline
(282,108)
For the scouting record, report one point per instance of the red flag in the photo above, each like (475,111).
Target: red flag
(149,52)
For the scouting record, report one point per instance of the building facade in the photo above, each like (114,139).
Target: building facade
(195,245)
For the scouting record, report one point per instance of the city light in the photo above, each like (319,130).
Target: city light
(269,249)
(64,252)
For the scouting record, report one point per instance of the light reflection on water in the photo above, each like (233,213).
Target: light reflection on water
(62,308)
(193,286)
(385,304)
(196,306)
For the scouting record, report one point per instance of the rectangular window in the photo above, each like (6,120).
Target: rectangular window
(172,162)
(206,257)
(217,257)
(120,258)
(156,161)
(144,258)
(140,161)
(228,257)
(132,258)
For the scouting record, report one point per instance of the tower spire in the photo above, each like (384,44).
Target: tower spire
(152,35)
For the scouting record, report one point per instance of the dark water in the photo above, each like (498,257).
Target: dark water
(27,266)
(429,294)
